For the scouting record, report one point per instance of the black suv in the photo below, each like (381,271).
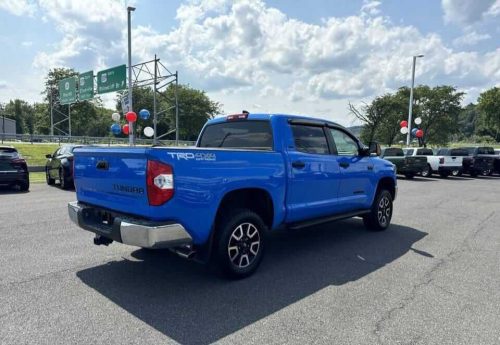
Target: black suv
(13,169)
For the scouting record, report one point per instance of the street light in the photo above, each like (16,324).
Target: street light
(130,124)
(408,136)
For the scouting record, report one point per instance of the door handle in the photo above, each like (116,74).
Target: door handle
(344,164)
(298,164)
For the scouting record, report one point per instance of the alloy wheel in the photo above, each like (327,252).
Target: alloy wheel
(244,245)
(384,211)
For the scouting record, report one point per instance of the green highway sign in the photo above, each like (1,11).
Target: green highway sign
(86,85)
(67,90)
(113,79)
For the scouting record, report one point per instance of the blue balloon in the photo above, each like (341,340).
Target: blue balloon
(144,114)
(414,131)
(116,128)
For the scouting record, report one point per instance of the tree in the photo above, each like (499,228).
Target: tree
(489,108)
(393,110)
(370,118)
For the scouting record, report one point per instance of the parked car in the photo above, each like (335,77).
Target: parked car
(456,155)
(59,166)
(13,169)
(480,161)
(444,163)
(247,175)
(407,166)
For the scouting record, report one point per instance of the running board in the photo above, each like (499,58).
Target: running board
(316,221)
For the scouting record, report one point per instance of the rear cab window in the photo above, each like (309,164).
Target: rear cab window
(408,152)
(391,152)
(245,134)
(486,151)
(425,152)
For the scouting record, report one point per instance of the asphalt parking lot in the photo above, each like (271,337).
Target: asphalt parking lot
(432,278)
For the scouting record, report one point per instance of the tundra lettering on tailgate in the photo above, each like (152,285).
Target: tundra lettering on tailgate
(193,156)
(128,189)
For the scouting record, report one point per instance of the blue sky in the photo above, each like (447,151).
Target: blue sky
(310,57)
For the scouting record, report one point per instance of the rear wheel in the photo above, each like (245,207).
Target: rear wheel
(427,171)
(239,243)
(486,172)
(456,172)
(380,214)
(50,181)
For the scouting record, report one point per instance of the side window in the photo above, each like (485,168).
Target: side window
(310,139)
(409,152)
(345,144)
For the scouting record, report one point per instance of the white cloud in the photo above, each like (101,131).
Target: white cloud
(3,84)
(27,43)
(471,38)
(466,11)
(18,7)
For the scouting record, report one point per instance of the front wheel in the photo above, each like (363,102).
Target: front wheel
(63,180)
(239,244)
(427,171)
(50,181)
(380,214)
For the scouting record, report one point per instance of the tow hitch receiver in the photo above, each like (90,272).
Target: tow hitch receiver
(101,240)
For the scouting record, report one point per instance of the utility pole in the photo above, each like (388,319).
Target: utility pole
(131,140)
(410,110)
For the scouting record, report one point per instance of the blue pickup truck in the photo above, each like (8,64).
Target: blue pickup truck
(249,174)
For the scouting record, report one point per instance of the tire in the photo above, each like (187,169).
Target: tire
(486,172)
(456,173)
(444,174)
(62,179)
(409,176)
(427,171)
(24,186)
(380,214)
(239,244)
(50,181)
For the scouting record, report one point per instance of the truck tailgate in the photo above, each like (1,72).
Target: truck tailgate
(452,161)
(112,178)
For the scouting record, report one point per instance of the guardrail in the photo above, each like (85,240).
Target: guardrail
(27,138)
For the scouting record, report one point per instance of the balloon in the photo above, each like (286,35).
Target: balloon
(419,133)
(116,129)
(144,114)
(404,130)
(418,121)
(403,123)
(414,131)
(115,117)
(131,116)
(148,131)
(125,129)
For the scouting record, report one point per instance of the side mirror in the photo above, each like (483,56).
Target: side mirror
(48,156)
(374,148)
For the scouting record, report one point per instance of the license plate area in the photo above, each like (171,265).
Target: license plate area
(99,218)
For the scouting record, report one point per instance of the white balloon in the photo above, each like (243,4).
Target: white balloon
(418,121)
(404,130)
(148,131)
(115,117)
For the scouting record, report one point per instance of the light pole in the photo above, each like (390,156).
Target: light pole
(130,124)
(408,136)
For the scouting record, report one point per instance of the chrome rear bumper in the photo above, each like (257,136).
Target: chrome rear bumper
(128,230)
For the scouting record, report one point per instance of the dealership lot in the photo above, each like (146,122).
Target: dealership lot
(432,278)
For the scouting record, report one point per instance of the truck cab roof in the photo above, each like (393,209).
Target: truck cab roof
(268,116)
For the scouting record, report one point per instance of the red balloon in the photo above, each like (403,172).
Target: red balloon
(131,116)
(125,129)
(403,123)
(419,133)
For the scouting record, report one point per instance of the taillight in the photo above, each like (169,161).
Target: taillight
(160,183)
(21,163)
(441,160)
